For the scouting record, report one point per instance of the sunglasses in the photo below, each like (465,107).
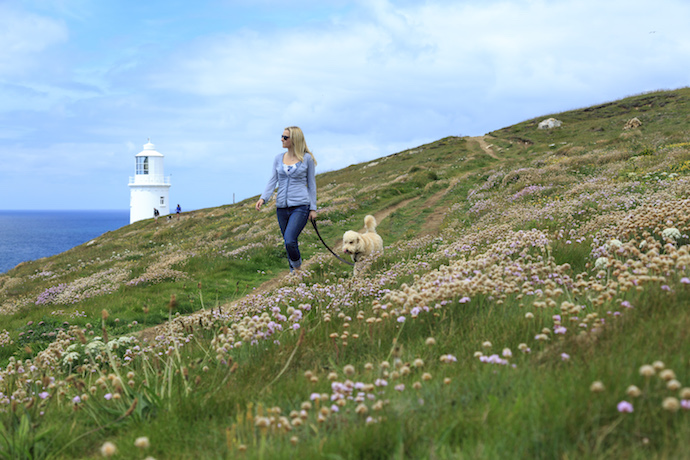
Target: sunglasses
(285,137)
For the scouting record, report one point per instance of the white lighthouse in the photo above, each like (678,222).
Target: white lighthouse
(149,188)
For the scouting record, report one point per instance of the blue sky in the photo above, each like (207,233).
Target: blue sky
(85,83)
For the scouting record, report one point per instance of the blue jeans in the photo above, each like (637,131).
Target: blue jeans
(292,221)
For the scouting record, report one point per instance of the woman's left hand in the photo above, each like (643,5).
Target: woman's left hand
(312,215)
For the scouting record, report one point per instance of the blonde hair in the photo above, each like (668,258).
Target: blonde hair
(298,143)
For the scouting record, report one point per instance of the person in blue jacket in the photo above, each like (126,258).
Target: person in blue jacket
(294,174)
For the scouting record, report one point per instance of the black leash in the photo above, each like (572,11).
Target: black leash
(313,222)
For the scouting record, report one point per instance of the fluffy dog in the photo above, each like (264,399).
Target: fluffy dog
(360,245)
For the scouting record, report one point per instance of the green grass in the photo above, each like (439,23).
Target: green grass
(507,264)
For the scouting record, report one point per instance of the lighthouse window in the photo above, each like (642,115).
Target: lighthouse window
(142,165)
(162,200)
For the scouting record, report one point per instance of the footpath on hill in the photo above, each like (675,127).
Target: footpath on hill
(486,147)
(431,226)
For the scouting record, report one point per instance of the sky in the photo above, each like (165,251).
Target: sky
(84,84)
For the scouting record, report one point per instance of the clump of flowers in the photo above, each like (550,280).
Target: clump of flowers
(162,269)
(100,283)
(529,190)
(49,295)
(671,233)
(5,338)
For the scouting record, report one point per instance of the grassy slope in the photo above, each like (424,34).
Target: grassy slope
(552,197)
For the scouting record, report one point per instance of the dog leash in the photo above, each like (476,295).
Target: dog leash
(313,222)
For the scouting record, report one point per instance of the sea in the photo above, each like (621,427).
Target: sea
(30,235)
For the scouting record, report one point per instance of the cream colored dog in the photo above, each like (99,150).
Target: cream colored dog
(360,245)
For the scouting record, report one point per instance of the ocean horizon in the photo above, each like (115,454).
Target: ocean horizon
(31,234)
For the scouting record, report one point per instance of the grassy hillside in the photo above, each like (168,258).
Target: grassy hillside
(531,302)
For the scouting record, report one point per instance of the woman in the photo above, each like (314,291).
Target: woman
(293,172)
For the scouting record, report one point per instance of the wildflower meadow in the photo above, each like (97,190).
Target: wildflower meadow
(531,302)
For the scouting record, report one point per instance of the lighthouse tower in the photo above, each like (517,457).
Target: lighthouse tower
(149,188)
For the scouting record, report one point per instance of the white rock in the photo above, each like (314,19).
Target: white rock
(549,123)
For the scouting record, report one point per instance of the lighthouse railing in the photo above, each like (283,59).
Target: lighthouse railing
(149,179)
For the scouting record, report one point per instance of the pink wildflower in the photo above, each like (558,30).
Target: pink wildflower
(625,406)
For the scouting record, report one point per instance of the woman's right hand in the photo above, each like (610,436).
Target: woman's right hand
(259,204)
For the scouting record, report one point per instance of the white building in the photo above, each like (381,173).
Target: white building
(149,188)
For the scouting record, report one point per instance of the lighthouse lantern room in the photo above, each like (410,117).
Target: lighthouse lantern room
(149,188)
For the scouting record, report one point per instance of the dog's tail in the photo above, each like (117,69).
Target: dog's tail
(370,224)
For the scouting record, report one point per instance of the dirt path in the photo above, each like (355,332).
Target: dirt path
(485,146)
(435,219)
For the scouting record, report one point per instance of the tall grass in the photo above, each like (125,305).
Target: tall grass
(544,317)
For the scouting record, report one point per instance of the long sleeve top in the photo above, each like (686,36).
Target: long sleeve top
(295,188)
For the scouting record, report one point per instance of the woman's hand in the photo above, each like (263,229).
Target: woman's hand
(312,215)
(259,204)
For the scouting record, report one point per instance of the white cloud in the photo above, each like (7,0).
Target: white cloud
(24,39)
(438,55)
